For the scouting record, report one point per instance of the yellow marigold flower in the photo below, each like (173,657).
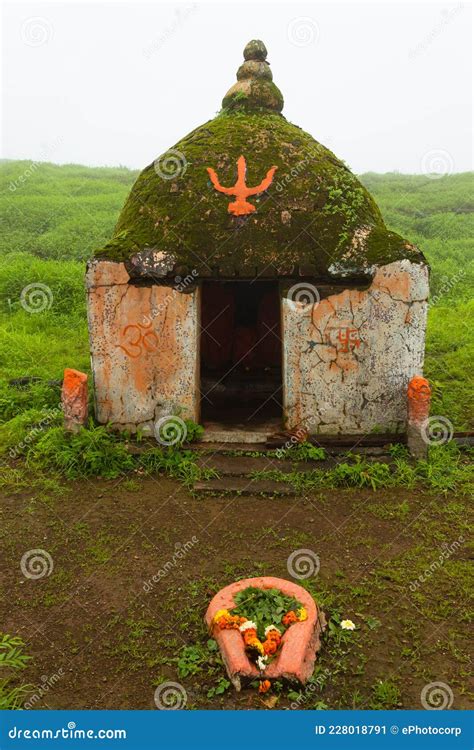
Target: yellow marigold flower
(302,614)
(220,613)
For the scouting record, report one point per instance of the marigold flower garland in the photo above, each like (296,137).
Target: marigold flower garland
(259,651)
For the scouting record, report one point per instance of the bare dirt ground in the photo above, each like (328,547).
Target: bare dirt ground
(102,641)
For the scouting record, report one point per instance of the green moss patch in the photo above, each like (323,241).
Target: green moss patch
(307,218)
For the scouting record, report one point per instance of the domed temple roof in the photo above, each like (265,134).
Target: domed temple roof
(193,208)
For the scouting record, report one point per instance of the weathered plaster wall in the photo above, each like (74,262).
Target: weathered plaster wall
(144,348)
(348,359)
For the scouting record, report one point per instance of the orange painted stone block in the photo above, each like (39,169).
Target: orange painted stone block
(300,643)
(419,397)
(74,399)
(418,412)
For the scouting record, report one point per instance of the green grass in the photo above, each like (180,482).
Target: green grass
(12,660)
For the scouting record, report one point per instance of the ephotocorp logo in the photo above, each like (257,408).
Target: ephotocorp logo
(36,31)
(437,696)
(437,430)
(437,163)
(303,563)
(36,563)
(170,696)
(170,430)
(36,297)
(170,165)
(303,31)
(302,297)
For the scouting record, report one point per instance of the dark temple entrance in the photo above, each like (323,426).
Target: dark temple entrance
(241,357)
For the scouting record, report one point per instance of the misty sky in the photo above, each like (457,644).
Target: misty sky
(385,86)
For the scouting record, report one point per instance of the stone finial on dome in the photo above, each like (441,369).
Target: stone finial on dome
(254,88)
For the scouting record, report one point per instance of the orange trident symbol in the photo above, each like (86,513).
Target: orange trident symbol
(240,207)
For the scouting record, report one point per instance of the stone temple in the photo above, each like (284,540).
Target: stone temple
(252,285)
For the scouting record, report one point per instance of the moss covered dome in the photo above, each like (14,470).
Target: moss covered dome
(313,218)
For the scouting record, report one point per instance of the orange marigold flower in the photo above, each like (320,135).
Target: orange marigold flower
(270,647)
(264,686)
(289,618)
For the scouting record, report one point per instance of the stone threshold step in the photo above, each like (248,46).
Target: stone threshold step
(236,466)
(244,486)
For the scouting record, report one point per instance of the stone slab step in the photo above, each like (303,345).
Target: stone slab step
(244,486)
(244,465)
(234,436)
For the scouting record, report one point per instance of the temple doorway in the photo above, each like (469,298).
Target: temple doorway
(241,355)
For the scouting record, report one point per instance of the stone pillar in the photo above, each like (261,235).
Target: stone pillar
(74,399)
(418,404)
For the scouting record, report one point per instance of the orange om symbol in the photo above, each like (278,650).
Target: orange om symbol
(138,341)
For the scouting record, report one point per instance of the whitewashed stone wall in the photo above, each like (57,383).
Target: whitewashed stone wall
(348,359)
(144,349)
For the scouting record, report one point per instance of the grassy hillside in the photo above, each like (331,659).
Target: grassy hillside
(54,217)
